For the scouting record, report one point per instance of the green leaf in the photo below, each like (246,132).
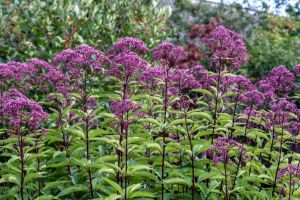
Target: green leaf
(204,91)
(72,189)
(177,181)
(133,188)
(46,197)
(113,197)
(203,115)
(115,185)
(152,121)
(141,194)
(180,121)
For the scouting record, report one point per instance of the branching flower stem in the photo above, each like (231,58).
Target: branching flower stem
(279,160)
(165,107)
(192,157)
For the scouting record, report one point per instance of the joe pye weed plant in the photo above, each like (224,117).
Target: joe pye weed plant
(140,123)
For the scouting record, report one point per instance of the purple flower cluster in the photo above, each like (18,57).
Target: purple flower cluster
(47,75)
(219,152)
(168,54)
(252,97)
(126,64)
(237,83)
(79,59)
(125,58)
(290,170)
(126,45)
(184,80)
(21,111)
(280,82)
(280,112)
(294,128)
(227,48)
(202,76)
(297,70)
(21,71)
(120,108)
(6,73)
(183,103)
(151,75)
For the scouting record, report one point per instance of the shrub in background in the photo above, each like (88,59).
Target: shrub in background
(41,28)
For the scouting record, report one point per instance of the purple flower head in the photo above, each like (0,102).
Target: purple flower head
(20,111)
(280,82)
(39,64)
(294,128)
(77,60)
(92,57)
(119,108)
(183,103)
(140,114)
(21,71)
(226,48)
(168,54)
(65,90)
(126,45)
(91,104)
(184,79)
(297,70)
(252,97)
(282,105)
(64,56)
(126,64)
(280,113)
(47,74)
(219,152)
(150,75)
(237,83)
(6,73)
(202,76)
(290,170)
(252,112)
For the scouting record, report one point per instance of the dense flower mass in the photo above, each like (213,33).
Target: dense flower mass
(20,111)
(162,129)
(151,75)
(22,71)
(253,97)
(238,83)
(122,107)
(201,74)
(126,64)
(219,152)
(184,80)
(79,59)
(280,82)
(290,170)
(6,73)
(126,45)
(227,48)
(294,128)
(47,75)
(168,54)
(281,112)
(297,70)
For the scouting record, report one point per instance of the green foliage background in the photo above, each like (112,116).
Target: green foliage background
(41,28)
(271,40)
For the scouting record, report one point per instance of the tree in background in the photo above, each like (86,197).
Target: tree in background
(40,28)
(271,39)
(274,42)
